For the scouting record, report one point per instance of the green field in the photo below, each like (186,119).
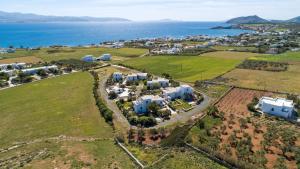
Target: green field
(190,68)
(50,54)
(286,81)
(53,107)
(285,57)
(224,48)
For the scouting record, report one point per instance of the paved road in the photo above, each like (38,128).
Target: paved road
(118,115)
(181,117)
(186,116)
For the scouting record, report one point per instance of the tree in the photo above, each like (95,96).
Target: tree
(146,121)
(201,124)
(131,134)
(213,111)
(164,114)
(153,108)
(141,135)
(112,95)
(4,76)
(280,164)
(42,73)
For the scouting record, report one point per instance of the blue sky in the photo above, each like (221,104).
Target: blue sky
(197,10)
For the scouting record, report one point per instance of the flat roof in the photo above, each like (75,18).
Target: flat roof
(278,101)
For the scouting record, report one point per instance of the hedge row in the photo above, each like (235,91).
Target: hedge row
(106,112)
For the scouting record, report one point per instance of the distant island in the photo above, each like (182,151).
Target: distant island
(257,23)
(258,20)
(6,17)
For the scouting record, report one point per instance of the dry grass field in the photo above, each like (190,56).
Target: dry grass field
(26,59)
(287,81)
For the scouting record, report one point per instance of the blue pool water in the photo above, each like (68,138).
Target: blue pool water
(73,34)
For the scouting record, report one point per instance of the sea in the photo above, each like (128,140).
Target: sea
(75,34)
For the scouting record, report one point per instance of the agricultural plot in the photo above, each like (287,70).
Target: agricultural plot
(287,81)
(26,59)
(289,57)
(51,54)
(190,68)
(40,113)
(246,140)
(214,91)
(235,48)
(185,158)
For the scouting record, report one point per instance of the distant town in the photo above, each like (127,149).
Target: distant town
(200,101)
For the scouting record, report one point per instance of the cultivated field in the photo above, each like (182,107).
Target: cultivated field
(290,57)
(241,137)
(39,113)
(185,158)
(287,81)
(237,48)
(172,158)
(284,81)
(190,68)
(50,54)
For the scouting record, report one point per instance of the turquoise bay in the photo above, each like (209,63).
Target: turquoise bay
(73,34)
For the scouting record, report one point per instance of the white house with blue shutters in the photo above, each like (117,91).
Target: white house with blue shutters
(279,107)
(141,105)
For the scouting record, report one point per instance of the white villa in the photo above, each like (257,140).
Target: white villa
(173,93)
(117,90)
(88,58)
(117,76)
(142,76)
(161,82)
(13,65)
(9,72)
(132,77)
(276,106)
(35,70)
(105,57)
(137,76)
(141,105)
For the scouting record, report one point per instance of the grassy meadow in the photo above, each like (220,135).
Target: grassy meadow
(50,54)
(238,48)
(287,81)
(190,68)
(289,57)
(53,107)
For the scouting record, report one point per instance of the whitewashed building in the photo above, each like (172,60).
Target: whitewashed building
(32,71)
(132,77)
(88,58)
(142,76)
(8,72)
(13,65)
(161,82)
(105,57)
(117,76)
(276,106)
(141,105)
(173,93)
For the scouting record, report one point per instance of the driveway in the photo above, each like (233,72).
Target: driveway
(118,115)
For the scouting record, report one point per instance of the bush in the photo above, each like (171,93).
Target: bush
(201,124)
(75,64)
(4,76)
(3,83)
(105,112)
(42,73)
